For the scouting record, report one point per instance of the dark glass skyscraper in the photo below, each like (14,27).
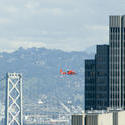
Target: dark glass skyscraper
(117,61)
(102,77)
(97,80)
(90,84)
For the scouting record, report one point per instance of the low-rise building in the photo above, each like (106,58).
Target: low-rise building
(96,117)
(78,119)
(99,119)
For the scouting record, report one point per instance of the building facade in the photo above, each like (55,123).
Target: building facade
(78,119)
(90,80)
(97,80)
(117,61)
(99,118)
(104,118)
(102,76)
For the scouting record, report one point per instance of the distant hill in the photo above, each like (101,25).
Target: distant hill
(40,69)
(91,50)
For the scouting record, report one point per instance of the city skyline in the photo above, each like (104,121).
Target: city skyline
(110,67)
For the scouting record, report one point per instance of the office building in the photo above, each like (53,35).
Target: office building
(117,62)
(97,80)
(104,118)
(78,119)
(102,76)
(90,84)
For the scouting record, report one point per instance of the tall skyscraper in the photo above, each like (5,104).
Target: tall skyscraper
(90,85)
(102,76)
(97,80)
(117,61)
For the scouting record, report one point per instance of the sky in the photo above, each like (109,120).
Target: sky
(70,25)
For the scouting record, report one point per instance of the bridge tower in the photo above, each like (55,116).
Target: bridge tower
(13,104)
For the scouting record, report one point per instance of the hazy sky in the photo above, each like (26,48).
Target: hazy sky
(61,24)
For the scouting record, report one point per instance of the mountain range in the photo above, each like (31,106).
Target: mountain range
(40,68)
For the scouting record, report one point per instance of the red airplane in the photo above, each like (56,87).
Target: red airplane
(70,72)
